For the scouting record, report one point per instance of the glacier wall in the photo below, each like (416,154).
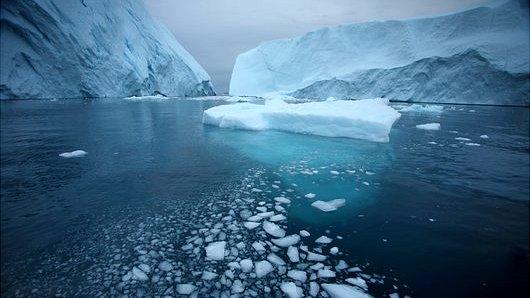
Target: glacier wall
(476,56)
(91,48)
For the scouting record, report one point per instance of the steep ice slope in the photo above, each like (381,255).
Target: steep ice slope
(91,48)
(476,56)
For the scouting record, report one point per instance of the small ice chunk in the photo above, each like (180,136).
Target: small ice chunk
(273,229)
(304,233)
(310,195)
(165,266)
(314,288)
(484,137)
(323,240)
(75,153)
(208,275)
(291,290)
(334,172)
(357,281)
(325,273)
(258,247)
(334,250)
(185,289)
(462,139)
(297,275)
(145,268)
(472,144)
(329,205)
(342,265)
(263,268)
(344,291)
(139,274)
(292,253)
(251,224)
(282,200)
(311,256)
(286,241)
(237,287)
(275,259)
(278,217)
(216,250)
(246,265)
(256,190)
(429,126)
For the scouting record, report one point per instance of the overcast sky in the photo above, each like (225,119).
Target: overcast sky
(216,31)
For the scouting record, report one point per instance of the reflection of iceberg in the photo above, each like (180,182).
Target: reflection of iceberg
(303,163)
(369,119)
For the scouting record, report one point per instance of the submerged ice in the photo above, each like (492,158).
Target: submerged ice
(369,119)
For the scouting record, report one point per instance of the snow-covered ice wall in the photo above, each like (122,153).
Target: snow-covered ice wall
(476,56)
(91,48)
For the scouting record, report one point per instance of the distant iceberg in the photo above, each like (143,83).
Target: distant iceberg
(71,49)
(476,56)
(369,119)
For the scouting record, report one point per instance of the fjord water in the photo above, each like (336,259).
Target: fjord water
(441,219)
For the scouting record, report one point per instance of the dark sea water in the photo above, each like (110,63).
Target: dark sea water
(423,219)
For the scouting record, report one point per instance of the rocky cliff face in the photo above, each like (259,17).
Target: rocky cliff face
(475,56)
(91,48)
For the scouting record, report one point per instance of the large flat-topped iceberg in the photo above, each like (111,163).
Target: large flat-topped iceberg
(64,49)
(476,56)
(369,119)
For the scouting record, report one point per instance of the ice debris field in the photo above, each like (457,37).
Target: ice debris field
(368,119)
(236,242)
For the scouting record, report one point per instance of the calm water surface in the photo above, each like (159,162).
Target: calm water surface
(440,219)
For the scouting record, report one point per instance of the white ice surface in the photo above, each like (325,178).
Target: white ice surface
(329,205)
(344,291)
(429,126)
(76,153)
(369,119)
(216,250)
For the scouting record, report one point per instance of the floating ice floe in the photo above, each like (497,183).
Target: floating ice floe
(165,266)
(304,233)
(310,195)
(291,290)
(216,250)
(344,291)
(263,268)
(323,240)
(472,144)
(298,275)
(462,139)
(419,108)
(185,289)
(357,281)
(282,200)
(76,153)
(251,224)
(329,205)
(146,97)
(292,253)
(273,229)
(246,265)
(275,259)
(369,119)
(484,137)
(429,126)
(286,241)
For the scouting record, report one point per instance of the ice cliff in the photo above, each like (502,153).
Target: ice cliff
(91,48)
(476,56)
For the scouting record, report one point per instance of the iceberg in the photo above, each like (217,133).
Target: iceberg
(369,119)
(480,55)
(81,49)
